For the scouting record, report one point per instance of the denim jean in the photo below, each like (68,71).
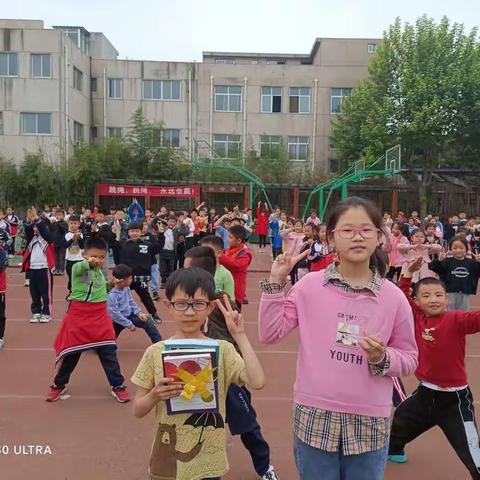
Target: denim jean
(149,327)
(313,464)
(154,279)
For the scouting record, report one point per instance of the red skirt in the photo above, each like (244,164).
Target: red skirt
(85,326)
(323,263)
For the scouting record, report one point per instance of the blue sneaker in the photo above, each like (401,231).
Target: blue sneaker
(398,458)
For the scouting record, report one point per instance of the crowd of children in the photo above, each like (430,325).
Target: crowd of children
(369,334)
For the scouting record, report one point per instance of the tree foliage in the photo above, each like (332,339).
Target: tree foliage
(423,91)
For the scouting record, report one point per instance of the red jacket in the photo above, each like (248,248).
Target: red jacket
(3,270)
(237,261)
(261,222)
(441,343)
(49,252)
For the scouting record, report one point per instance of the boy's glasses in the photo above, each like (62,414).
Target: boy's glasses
(366,233)
(197,305)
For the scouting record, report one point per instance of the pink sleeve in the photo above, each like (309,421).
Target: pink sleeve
(402,346)
(277,316)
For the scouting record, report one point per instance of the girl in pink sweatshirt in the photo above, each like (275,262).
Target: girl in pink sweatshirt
(418,248)
(356,334)
(396,255)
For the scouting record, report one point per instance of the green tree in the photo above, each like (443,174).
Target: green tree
(423,92)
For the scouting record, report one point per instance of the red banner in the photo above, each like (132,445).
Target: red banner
(179,191)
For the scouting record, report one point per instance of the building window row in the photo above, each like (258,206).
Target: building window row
(35,123)
(229,146)
(228,98)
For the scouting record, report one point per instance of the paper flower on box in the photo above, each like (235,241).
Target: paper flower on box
(196,383)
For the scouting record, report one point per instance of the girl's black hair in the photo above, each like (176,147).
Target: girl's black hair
(379,259)
(190,280)
(314,231)
(458,238)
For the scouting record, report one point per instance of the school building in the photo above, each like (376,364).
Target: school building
(63,85)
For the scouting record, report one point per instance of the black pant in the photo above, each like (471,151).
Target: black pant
(60,259)
(11,247)
(117,252)
(242,420)
(453,412)
(167,264)
(294,272)
(68,269)
(41,286)
(141,288)
(276,252)
(399,392)
(262,241)
(394,271)
(108,359)
(3,319)
(181,249)
(189,243)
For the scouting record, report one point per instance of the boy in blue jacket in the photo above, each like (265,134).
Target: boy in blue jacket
(123,310)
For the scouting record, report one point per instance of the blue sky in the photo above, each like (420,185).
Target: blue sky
(181,30)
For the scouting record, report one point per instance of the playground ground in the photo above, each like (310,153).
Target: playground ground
(91,437)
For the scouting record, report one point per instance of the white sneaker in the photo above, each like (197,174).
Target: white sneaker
(2,343)
(35,318)
(45,318)
(27,283)
(270,475)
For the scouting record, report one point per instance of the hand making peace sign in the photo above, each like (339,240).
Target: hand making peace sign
(233,318)
(284,263)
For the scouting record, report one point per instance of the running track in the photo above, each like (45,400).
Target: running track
(94,438)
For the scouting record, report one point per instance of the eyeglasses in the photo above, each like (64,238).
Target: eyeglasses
(366,233)
(183,305)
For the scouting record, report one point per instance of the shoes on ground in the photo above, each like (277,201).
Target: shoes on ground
(36,318)
(121,395)
(270,475)
(55,393)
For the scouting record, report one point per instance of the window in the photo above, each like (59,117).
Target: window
(271,99)
(114,132)
(94,132)
(299,100)
(333,165)
(77,133)
(224,60)
(298,148)
(2,131)
(77,79)
(93,85)
(170,137)
(36,123)
(372,47)
(9,64)
(227,146)
(161,90)
(228,98)
(338,94)
(114,88)
(270,146)
(41,65)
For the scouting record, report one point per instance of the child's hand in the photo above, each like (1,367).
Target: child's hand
(374,348)
(143,316)
(416,265)
(233,319)
(284,263)
(132,328)
(165,389)
(93,262)
(442,256)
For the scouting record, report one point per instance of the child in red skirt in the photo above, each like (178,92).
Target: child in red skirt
(87,325)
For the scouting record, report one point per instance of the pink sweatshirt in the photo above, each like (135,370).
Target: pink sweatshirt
(396,255)
(289,236)
(412,252)
(332,369)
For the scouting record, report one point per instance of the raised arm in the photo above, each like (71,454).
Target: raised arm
(277,315)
